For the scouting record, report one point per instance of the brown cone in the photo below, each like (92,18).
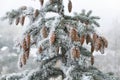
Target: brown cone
(23,7)
(40,49)
(95,36)
(41,2)
(82,39)
(22,20)
(88,38)
(92,60)
(36,13)
(69,6)
(17,20)
(52,38)
(44,32)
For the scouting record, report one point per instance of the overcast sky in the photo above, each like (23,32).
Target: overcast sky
(108,10)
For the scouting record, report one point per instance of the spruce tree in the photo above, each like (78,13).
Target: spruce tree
(59,39)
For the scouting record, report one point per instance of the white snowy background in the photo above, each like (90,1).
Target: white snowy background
(108,10)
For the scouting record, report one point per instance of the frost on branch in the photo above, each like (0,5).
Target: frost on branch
(57,38)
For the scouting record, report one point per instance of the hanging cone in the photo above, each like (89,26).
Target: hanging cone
(69,6)
(52,38)
(74,35)
(24,45)
(28,40)
(44,32)
(41,2)
(92,60)
(22,20)
(105,42)
(23,59)
(92,48)
(36,13)
(82,39)
(27,54)
(95,36)
(77,52)
(98,44)
(88,38)
(40,49)
(17,20)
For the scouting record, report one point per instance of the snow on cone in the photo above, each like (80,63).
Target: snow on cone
(44,32)
(52,38)
(75,52)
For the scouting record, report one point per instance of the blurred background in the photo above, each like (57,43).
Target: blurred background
(109,12)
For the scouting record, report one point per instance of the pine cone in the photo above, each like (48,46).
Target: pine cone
(95,36)
(41,2)
(44,32)
(28,40)
(105,42)
(92,60)
(74,35)
(27,54)
(69,6)
(17,20)
(82,39)
(23,59)
(92,48)
(88,38)
(40,49)
(98,44)
(36,13)
(52,38)
(22,20)
(75,52)
(24,45)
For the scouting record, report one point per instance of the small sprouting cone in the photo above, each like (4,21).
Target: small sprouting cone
(82,39)
(44,32)
(22,20)
(41,2)
(69,6)
(17,20)
(52,38)
(36,13)
(92,59)
(88,38)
